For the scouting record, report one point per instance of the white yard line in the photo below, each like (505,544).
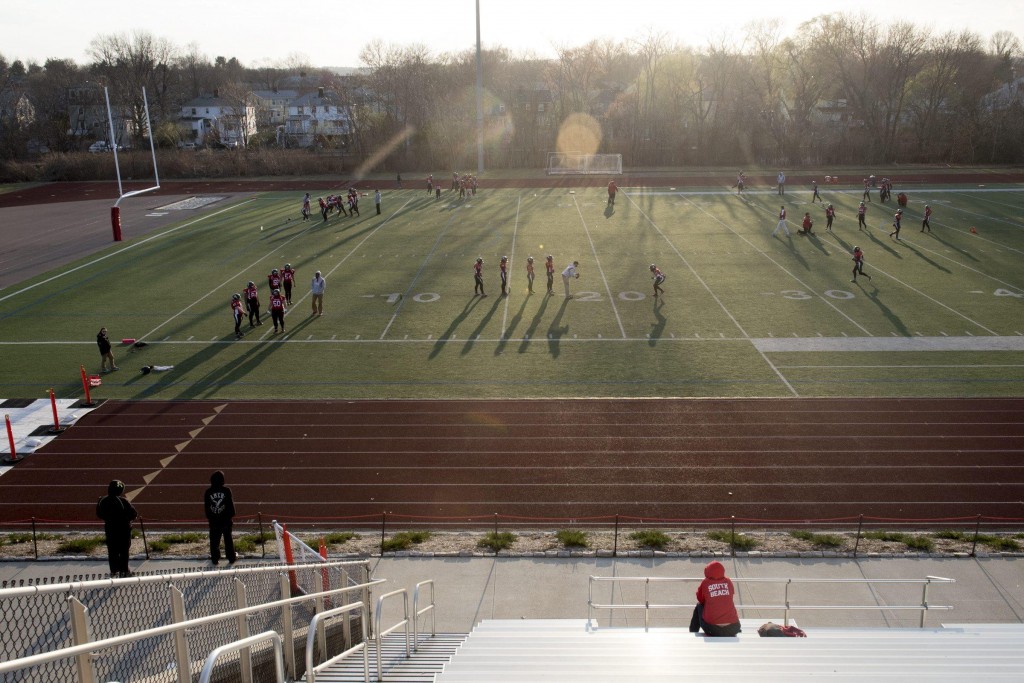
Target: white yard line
(415,279)
(781,267)
(714,296)
(597,262)
(124,249)
(511,258)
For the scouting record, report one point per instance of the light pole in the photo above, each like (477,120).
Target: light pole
(479,98)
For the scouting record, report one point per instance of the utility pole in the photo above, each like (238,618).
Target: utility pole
(479,98)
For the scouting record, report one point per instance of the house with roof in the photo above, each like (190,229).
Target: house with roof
(320,118)
(213,119)
(272,106)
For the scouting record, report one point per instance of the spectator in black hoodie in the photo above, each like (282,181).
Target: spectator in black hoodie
(220,508)
(117,514)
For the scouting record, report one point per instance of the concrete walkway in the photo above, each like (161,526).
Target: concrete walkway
(468,590)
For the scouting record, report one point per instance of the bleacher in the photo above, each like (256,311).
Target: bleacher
(569,650)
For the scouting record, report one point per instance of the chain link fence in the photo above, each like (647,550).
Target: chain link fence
(38,618)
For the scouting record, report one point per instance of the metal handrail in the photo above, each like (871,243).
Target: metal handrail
(416,612)
(786,606)
(44,589)
(404,622)
(314,624)
(273,636)
(106,643)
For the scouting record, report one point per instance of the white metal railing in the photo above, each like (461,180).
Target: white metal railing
(416,612)
(404,622)
(315,627)
(87,650)
(786,605)
(273,636)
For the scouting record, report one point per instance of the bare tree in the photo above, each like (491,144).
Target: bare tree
(130,63)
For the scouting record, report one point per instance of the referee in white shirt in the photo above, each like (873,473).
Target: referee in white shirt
(569,273)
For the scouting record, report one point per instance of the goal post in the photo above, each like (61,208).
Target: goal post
(572,163)
(115,210)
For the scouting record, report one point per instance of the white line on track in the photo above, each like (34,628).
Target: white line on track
(597,262)
(126,248)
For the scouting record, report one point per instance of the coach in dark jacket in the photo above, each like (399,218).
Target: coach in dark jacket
(220,508)
(117,514)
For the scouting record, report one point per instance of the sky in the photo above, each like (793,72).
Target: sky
(266,32)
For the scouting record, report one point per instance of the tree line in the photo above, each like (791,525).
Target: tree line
(844,89)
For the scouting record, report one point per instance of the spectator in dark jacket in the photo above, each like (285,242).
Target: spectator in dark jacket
(117,514)
(220,509)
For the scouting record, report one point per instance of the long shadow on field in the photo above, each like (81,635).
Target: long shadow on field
(885,244)
(927,260)
(658,327)
(160,381)
(525,344)
(947,243)
(556,330)
(241,367)
(442,341)
(886,311)
(468,346)
(512,325)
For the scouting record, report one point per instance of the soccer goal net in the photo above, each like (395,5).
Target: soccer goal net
(563,163)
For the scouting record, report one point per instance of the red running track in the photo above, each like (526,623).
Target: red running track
(326,461)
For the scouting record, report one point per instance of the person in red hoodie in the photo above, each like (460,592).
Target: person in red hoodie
(715,612)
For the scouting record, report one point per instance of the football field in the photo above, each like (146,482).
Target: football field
(744,313)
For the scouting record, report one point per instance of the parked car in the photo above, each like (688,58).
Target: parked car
(99,146)
(187,145)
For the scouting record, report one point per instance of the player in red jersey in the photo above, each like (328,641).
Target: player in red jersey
(236,312)
(830,214)
(897,221)
(862,211)
(278,307)
(503,268)
(927,216)
(658,278)
(274,279)
(323,208)
(529,274)
(288,278)
(858,264)
(252,303)
(806,225)
(549,264)
(478,278)
(612,189)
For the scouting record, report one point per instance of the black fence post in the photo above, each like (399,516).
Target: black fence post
(263,539)
(732,537)
(977,528)
(856,544)
(615,545)
(497,544)
(383,526)
(35,546)
(145,543)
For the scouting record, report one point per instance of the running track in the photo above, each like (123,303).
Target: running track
(763,459)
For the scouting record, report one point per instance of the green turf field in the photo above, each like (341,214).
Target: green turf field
(745,313)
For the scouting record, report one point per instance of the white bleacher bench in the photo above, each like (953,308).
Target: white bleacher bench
(534,651)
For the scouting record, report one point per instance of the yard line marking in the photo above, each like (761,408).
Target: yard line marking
(511,258)
(916,245)
(858,367)
(714,296)
(936,301)
(121,251)
(597,261)
(416,277)
(808,288)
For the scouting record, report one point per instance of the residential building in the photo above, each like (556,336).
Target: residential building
(320,118)
(213,119)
